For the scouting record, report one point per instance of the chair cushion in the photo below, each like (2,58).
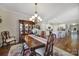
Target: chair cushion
(40,51)
(10,39)
(27,52)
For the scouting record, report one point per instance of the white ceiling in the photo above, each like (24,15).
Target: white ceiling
(50,12)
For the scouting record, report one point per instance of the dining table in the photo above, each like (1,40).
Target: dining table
(35,42)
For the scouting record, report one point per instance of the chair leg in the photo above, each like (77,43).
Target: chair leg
(2,44)
(37,54)
(32,53)
(14,42)
(8,43)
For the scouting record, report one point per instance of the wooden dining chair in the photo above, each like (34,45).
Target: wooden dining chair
(27,51)
(43,34)
(48,49)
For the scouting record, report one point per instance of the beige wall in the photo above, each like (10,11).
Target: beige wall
(10,22)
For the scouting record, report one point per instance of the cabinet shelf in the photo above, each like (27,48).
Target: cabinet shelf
(24,28)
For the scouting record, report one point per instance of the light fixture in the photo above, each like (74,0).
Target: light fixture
(74,23)
(35,18)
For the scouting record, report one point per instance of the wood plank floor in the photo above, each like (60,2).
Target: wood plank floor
(64,44)
(4,50)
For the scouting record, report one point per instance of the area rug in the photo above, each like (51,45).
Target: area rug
(16,50)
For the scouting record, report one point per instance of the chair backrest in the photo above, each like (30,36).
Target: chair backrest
(5,35)
(26,50)
(49,45)
(43,34)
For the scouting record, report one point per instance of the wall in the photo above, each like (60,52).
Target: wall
(68,17)
(10,22)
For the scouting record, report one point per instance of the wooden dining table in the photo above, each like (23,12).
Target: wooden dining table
(35,42)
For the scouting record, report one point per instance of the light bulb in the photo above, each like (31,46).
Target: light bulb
(73,23)
(30,19)
(39,18)
(33,20)
(35,15)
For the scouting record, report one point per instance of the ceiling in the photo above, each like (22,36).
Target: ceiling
(49,12)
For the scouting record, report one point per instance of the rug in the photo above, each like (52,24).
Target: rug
(21,49)
(16,50)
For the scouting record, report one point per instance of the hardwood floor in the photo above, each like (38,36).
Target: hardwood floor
(64,44)
(4,50)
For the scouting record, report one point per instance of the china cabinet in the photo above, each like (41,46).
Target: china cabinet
(25,28)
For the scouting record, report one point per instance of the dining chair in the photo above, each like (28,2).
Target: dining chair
(43,34)
(6,38)
(48,49)
(27,51)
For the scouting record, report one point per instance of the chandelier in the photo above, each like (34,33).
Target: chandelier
(35,18)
